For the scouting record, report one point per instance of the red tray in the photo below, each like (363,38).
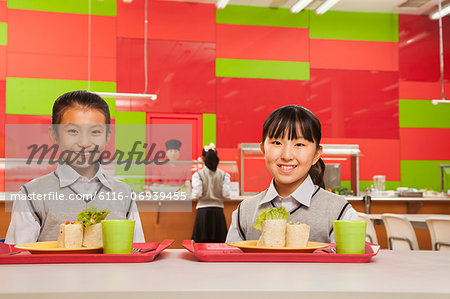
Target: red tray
(25,257)
(221,252)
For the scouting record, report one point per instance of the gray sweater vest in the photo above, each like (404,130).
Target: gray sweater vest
(324,208)
(212,182)
(51,213)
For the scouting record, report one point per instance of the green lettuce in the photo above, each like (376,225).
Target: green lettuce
(92,215)
(270,214)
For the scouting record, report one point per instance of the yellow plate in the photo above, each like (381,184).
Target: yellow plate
(250,246)
(51,248)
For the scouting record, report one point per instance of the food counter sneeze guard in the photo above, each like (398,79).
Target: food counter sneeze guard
(330,150)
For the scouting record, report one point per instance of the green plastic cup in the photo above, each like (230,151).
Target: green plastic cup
(117,236)
(350,236)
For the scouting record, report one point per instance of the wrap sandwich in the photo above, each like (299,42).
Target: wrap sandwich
(272,224)
(91,219)
(70,235)
(297,234)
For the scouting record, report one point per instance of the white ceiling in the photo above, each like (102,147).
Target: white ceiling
(388,6)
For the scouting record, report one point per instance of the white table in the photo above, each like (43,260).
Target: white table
(417,220)
(177,274)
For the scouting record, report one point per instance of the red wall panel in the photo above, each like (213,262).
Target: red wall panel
(422,90)
(424,144)
(181,73)
(2,119)
(3,11)
(355,104)
(229,154)
(378,156)
(419,48)
(354,55)
(239,118)
(60,67)
(2,131)
(3,62)
(55,45)
(24,130)
(28,119)
(262,42)
(130,19)
(256,176)
(60,33)
(167,20)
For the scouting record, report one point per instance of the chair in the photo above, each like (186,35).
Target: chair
(440,233)
(400,233)
(371,234)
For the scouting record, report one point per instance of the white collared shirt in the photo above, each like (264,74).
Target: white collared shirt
(301,196)
(24,228)
(69,177)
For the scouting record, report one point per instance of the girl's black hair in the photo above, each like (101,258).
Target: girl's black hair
(82,98)
(287,120)
(211,159)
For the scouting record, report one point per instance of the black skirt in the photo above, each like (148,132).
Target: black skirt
(210,226)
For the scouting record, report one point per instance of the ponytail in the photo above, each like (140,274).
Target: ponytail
(316,172)
(211,159)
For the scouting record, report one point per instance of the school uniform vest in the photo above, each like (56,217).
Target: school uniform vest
(212,182)
(51,213)
(325,207)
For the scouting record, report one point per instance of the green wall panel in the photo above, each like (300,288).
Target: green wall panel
(262,69)
(103,7)
(36,96)
(130,127)
(262,16)
(3,34)
(354,26)
(209,128)
(421,174)
(423,114)
(125,117)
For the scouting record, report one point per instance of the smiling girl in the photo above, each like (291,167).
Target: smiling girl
(291,147)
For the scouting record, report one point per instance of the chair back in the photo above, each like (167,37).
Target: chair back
(400,233)
(371,234)
(440,233)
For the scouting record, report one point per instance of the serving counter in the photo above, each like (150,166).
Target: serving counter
(179,225)
(177,274)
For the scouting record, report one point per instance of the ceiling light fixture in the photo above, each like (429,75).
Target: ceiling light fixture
(324,7)
(300,5)
(220,4)
(443,12)
(126,95)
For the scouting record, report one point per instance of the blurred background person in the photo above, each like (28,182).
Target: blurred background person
(210,186)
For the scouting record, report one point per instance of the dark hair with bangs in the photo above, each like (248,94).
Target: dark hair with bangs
(82,98)
(288,120)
